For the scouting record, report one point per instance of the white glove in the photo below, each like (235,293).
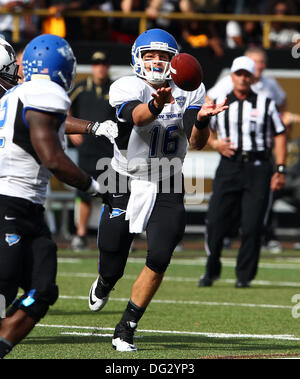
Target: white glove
(107,128)
(94,188)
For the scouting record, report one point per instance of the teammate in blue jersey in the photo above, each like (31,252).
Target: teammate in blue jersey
(156,122)
(32,126)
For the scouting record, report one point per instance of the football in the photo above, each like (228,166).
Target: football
(186,72)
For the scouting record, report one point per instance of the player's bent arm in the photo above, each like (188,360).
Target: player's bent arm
(45,141)
(198,138)
(145,113)
(208,109)
(76,125)
(108,128)
(212,141)
(196,128)
(141,115)
(137,113)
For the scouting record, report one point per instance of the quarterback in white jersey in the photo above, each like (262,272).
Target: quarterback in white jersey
(156,121)
(164,137)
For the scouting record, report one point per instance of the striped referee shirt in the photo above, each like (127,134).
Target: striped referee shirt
(250,124)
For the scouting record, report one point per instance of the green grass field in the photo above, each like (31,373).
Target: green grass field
(183,321)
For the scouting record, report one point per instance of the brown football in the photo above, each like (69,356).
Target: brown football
(186,72)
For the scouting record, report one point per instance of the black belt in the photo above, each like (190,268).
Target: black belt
(250,156)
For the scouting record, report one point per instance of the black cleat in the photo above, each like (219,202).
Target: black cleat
(240,284)
(205,281)
(123,336)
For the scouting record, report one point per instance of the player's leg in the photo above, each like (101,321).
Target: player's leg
(11,251)
(41,291)
(164,231)
(114,241)
(37,257)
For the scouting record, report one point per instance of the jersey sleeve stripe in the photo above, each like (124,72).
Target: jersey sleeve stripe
(60,115)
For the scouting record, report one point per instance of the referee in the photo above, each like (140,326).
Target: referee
(252,126)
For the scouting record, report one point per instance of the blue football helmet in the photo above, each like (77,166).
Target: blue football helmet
(153,39)
(52,56)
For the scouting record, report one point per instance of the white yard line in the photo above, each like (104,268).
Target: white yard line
(293,264)
(69,260)
(228,262)
(185,279)
(206,334)
(188,302)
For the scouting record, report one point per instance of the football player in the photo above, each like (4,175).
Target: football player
(156,120)
(32,125)
(8,67)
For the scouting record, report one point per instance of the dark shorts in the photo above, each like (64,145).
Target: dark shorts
(164,231)
(28,256)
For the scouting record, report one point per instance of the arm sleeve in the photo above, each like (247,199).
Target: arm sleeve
(189,118)
(124,111)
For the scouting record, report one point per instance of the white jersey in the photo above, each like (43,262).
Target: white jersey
(139,148)
(21,172)
(266,86)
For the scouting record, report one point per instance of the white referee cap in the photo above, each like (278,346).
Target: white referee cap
(243,63)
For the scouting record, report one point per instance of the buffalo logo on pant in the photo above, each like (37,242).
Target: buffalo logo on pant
(12,239)
(117,212)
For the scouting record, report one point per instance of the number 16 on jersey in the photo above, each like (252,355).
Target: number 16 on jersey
(169,141)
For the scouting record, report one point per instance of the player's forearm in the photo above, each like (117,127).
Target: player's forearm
(67,172)
(76,125)
(212,142)
(198,138)
(141,115)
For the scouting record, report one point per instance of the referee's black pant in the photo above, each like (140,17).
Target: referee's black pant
(245,184)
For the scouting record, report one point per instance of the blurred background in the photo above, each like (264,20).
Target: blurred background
(214,31)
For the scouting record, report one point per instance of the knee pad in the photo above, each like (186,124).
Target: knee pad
(36,304)
(158,265)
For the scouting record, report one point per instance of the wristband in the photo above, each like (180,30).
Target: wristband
(202,124)
(152,108)
(281,169)
(89,127)
(88,184)
(94,188)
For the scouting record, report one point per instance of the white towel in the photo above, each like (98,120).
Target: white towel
(140,205)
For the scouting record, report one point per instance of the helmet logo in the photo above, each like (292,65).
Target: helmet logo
(9,50)
(66,52)
(158,45)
